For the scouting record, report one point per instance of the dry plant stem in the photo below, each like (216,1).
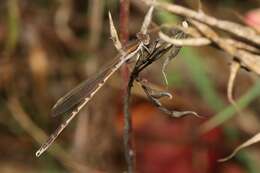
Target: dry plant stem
(249,142)
(185,42)
(96,14)
(234,68)
(242,45)
(199,40)
(139,66)
(128,139)
(247,59)
(123,33)
(124,20)
(231,27)
(128,130)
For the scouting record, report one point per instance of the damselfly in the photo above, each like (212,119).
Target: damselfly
(78,97)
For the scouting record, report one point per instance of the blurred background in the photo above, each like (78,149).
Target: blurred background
(47,47)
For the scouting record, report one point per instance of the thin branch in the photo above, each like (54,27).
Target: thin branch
(199,40)
(247,59)
(128,130)
(124,20)
(202,41)
(231,27)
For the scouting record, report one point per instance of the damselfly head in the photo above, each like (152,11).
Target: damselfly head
(145,38)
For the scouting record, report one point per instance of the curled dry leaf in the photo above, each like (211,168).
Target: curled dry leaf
(228,26)
(199,40)
(249,60)
(202,41)
(234,67)
(147,20)
(249,142)
(114,35)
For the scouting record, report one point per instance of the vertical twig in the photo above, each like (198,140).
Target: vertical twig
(123,32)
(128,140)
(95,17)
(128,135)
(124,20)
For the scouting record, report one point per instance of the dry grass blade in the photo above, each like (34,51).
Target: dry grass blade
(247,59)
(147,20)
(202,41)
(199,40)
(251,61)
(249,142)
(114,35)
(231,27)
(242,45)
(234,68)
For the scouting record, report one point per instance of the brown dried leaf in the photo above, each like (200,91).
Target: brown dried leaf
(201,41)
(234,67)
(249,60)
(249,142)
(228,26)
(147,20)
(114,35)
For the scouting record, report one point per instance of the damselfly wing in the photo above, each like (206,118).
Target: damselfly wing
(74,97)
(77,98)
(86,89)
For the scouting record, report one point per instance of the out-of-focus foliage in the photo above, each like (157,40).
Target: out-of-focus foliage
(48,47)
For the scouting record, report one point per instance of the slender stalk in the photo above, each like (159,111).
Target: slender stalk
(128,130)
(124,20)
(128,139)
(124,34)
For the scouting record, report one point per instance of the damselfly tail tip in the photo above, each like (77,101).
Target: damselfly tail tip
(39,152)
